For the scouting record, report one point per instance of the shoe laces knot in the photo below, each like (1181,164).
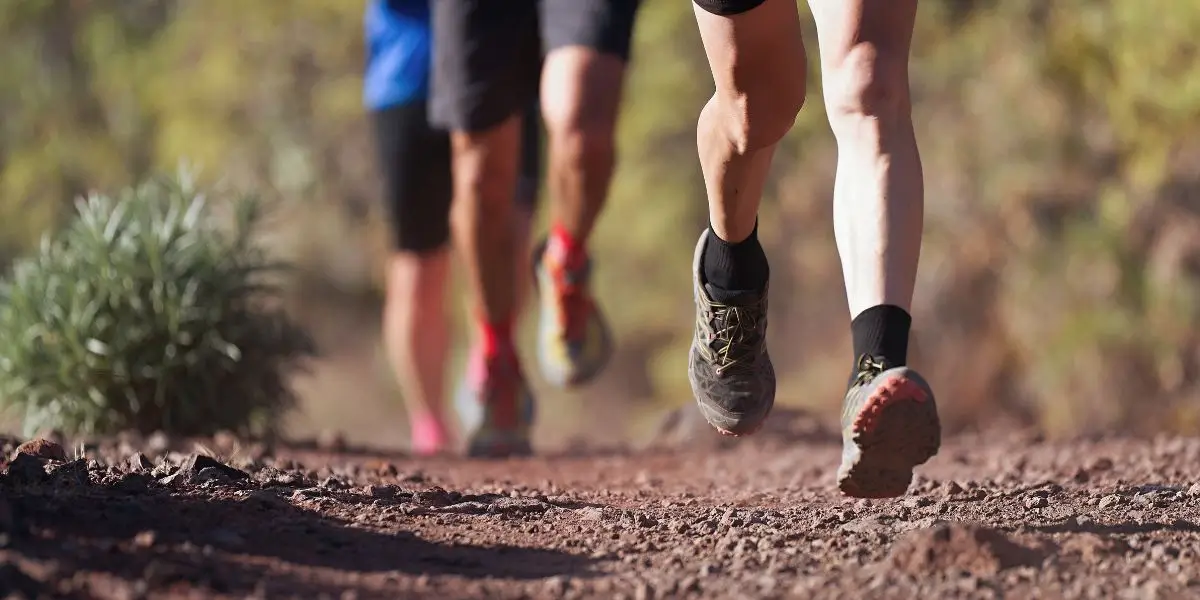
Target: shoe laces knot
(735,335)
(869,367)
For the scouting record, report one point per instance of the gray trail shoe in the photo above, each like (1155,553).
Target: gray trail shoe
(889,425)
(729,368)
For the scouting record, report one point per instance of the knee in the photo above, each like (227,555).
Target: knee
(582,143)
(867,85)
(484,168)
(758,116)
(416,281)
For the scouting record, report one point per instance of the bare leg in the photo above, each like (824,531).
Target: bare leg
(416,336)
(890,422)
(756,54)
(581,94)
(758,65)
(485,175)
(878,196)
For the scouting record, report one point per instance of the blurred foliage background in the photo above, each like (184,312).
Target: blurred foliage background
(1059,277)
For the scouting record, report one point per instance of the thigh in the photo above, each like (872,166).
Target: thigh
(603,25)
(755,49)
(878,32)
(414,161)
(486,61)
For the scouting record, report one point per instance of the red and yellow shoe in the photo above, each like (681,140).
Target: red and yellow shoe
(574,341)
(505,407)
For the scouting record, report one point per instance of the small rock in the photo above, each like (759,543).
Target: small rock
(1109,501)
(333,483)
(591,513)
(1194,491)
(435,496)
(916,502)
(953,488)
(1101,464)
(385,492)
(1081,476)
(210,474)
(1036,502)
(307,493)
(145,539)
(192,467)
(138,463)
(43,448)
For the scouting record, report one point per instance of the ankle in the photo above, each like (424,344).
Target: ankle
(565,247)
(738,266)
(882,332)
(496,337)
(428,433)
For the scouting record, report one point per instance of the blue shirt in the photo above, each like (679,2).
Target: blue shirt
(399,48)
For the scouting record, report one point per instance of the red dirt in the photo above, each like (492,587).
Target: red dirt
(993,515)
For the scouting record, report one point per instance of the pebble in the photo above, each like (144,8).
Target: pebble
(138,463)
(145,539)
(1194,491)
(1036,502)
(1109,501)
(43,448)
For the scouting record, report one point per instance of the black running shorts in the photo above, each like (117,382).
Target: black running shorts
(414,160)
(727,7)
(488,53)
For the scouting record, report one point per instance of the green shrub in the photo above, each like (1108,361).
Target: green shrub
(148,313)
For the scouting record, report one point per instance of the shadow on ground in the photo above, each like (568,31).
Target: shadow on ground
(205,538)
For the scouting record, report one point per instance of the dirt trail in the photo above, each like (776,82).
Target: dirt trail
(995,515)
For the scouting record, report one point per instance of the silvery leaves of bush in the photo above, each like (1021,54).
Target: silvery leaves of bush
(145,313)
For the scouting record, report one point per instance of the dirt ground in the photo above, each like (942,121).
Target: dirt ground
(1001,514)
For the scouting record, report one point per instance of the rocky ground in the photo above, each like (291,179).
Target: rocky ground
(994,515)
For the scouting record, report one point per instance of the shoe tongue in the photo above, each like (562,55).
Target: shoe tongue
(732,297)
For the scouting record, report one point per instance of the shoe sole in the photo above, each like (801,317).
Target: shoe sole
(730,425)
(896,430)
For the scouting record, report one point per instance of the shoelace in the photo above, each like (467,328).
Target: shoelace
(735,335)
(868,368)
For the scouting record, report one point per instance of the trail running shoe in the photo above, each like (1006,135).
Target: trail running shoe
(889,425)
(503,416)
(574,341)
(729,368)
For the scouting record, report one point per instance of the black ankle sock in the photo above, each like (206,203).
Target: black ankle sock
(740,267)
(882,332)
